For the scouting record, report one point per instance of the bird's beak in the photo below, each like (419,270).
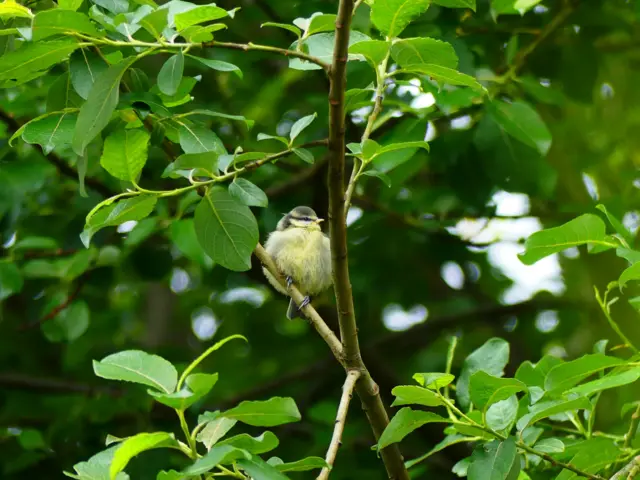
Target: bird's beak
(320,220)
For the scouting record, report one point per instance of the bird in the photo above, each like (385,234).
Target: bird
(302,253)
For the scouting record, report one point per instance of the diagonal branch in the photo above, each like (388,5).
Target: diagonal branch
(336,439)
(367,389)
(316,320)
(629,471)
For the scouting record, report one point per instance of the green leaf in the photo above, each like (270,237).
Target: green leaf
(97,467)
(220,454)
(550,445)
(247,193)
(200,14)
(566,375)
(139,443)
(69,324)
(419,51)
(256,445)
(155,22)
(514,7)
(306,464)
(501,416)
(125,153)
(35,243)
(617,225)
(321,23)
(215,430)
(199,139)
(491,358)
(293,29)
(586,229)
(375,173)
(444,75)
(411,394)
(218,65)
(446,442)
(300,125)
(258,469)
(113,6)
(629,274)
(403,423)
(265,136)
(267,413)
(485,389)
(456,3)
(100,105)
(84,68)
(496,460)
(321,46)
(391,17)
(50,131)
(183,235)
(612,380)
(374,51)
(304,154)
(138,367)
(135,208)
(523,123)
(10,280)
(211,113)
(433,381)
(544,410)
(170,74)
(58,22)
(199,385)
(12,9)
(204,164)
(227,231)
(34,57)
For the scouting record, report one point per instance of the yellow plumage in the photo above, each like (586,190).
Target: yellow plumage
(302,252)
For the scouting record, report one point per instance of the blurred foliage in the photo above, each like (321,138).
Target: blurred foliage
(430,256)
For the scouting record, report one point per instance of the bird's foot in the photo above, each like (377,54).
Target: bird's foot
(305,301)
(289,280)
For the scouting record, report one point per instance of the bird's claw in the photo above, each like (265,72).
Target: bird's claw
(305,301)
(289,280)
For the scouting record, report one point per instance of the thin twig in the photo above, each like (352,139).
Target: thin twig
(633,427)
(336,439)
(59,308)
(629,471)
(316,320)
(367,389)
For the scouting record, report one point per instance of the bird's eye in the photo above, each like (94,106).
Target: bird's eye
(306,219)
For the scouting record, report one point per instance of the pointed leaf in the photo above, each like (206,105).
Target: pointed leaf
(522,122)
(51,131)
(445,75)
(374,51)
(629,274)
(268,413)
(375,173)
(12,9)
(137,444)
(100,105)
(218,65)
(200,14)
(293,29)
(486,389)
(586,229)
(258,469)
(612,380)
(306,464)
(300,125)
(501,416)
(198,385)
(58,22)
(566,375)
(125,153)
(321,23)
(247,193)
(617,225)
(217,455)
(34,57)
(304,154)
(256,445)
(227,230)
(433,381)
(391,17)
(199,139)
(170,74)
(404,422)
(215,430)
(497,460)
(84,68)
(414,395)
(138,367)
(418,51)
(543,410)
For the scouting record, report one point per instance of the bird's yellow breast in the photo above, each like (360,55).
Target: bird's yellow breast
(304,255)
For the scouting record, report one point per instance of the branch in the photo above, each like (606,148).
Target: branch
(323,329)
(61,165)
(347,393)
(633,427)
(52,385)
(629,471)
(366,388)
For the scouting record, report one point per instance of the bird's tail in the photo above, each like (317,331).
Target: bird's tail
(292,311)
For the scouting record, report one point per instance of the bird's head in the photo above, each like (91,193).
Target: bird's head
(300,217)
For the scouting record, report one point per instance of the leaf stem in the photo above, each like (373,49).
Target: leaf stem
(633,427)
(602,301)
(185,430)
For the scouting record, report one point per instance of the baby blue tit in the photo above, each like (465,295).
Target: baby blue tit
(302,253)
